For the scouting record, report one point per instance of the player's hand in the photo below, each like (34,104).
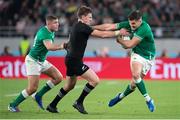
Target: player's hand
(65,45)
(119,38)
(124,32)
(61,46)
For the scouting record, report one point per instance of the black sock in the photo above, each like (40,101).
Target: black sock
(87,89)
(59,96)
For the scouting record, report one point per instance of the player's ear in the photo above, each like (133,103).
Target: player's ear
(48,22)
(140,20)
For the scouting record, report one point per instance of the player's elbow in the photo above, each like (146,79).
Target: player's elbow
(100,35)
(128,46)
(50,48)
(125,47)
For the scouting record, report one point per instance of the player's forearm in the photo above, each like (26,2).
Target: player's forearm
(99,27)
(54,47)
(108,34)
(104,27)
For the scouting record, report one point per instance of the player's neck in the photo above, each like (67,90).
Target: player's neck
(80,20)
(48,29)
(140,24)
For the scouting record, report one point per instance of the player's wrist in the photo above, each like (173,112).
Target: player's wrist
(117,33)
(60,47)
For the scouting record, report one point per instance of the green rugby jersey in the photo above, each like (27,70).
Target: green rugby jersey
(39,51)
(146,47)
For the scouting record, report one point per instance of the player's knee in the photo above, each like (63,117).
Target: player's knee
(69,87)
(95,82)
(32,90)
(133,85)
(136,75)
(59,79)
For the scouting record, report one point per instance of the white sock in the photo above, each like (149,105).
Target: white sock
(147,97)
(33,95)
(121,95)
(138,80)
(24,93)
(50,84)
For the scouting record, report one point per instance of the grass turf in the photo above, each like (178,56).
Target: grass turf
(166,95)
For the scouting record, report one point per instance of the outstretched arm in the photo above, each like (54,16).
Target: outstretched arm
(128,43)
(105,27)
(107,34)
(50,46)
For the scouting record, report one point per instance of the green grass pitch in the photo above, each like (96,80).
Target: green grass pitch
(166,95)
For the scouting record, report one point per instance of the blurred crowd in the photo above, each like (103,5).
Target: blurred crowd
(103,52)
(27,15)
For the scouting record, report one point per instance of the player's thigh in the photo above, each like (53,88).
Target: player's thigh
(32,67)
(136,67)
(146,67)
(70,83)
(91,77)
(54,73)
(136,64)
(33,82)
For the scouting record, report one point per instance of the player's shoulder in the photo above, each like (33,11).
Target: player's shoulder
(79,26)
(41,28)
(43,31)
(82,25)
(145,25)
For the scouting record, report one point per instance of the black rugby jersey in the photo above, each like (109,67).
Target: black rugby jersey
(78,40)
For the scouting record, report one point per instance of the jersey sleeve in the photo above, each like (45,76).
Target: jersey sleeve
(122,25)
(45,36)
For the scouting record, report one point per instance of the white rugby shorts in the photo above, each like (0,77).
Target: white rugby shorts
(147,64)
(34,67)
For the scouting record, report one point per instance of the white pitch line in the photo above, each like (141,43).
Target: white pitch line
(15,94)
(12,95)
(112,82)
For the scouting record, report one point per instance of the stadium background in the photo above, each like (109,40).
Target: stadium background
(108,59)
